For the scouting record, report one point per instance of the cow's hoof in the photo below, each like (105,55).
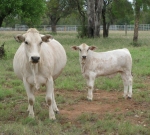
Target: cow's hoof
(129,97)
(57,112)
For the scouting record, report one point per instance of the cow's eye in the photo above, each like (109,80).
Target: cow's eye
(80,50)
(26,42)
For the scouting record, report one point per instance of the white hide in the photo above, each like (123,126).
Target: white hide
(95,64)
(52,60)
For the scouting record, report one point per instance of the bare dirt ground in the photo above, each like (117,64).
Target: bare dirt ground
(104,102)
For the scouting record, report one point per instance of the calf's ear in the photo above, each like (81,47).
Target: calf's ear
(19,38)
(75,47)
(46,38)
(92,47)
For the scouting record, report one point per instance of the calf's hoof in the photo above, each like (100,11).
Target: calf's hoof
(89,99)
(31,115)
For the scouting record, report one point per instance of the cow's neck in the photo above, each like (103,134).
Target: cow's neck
(35,68)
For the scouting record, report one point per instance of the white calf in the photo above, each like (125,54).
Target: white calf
(95,64)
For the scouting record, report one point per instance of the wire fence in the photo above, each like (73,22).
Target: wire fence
(71,77)
(18,27)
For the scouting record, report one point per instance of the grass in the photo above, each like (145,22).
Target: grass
(13,100)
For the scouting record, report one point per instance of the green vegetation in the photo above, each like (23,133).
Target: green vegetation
(70,90)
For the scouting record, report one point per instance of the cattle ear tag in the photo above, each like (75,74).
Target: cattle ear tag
(19,38)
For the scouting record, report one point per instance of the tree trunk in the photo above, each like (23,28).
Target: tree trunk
(1,20)
(53,27)
(105,24)
(104,21)
(136,24)
(54,21)
(94,13)
(98,11)
(91,19)
(136,29)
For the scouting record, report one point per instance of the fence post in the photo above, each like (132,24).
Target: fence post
(125,29)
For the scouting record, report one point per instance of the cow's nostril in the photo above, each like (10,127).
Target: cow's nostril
(84,57)
(35,59)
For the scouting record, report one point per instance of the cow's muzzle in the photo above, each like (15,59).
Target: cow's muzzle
(35,59)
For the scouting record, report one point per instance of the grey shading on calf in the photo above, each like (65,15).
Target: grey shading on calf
(95,64)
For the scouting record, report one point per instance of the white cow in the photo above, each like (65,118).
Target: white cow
(39,61)
(95,64)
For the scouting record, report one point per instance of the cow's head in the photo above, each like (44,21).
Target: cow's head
(32,42)
(83,50)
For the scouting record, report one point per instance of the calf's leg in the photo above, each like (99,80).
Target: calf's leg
(90,84)
(127,81)
(130,79)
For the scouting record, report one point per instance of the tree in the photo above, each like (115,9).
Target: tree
(112,14)
(94,10)
(81,11)
(32,11)
(29,11)
(57,9)
(139,5)
(9,7)
(105,23)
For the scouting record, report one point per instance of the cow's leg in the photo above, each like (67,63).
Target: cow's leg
(49,97)
(90,84)
(31,98)
(54,104)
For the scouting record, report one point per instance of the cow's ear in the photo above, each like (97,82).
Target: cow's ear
(19,38)
(75,47)
(92,47)
(46,38)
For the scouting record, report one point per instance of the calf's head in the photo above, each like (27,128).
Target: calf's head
(83,50)
(32,42)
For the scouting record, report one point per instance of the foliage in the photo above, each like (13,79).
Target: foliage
(120,15)
(57,9)
(82,31)
(32,11)
(139,6)
(27,11)
(81,6)
(8,8)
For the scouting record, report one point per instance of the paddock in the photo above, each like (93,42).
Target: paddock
(108,113)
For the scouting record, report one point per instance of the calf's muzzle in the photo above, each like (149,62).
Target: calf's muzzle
(83,57)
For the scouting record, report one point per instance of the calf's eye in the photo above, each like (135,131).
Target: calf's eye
(26,42)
